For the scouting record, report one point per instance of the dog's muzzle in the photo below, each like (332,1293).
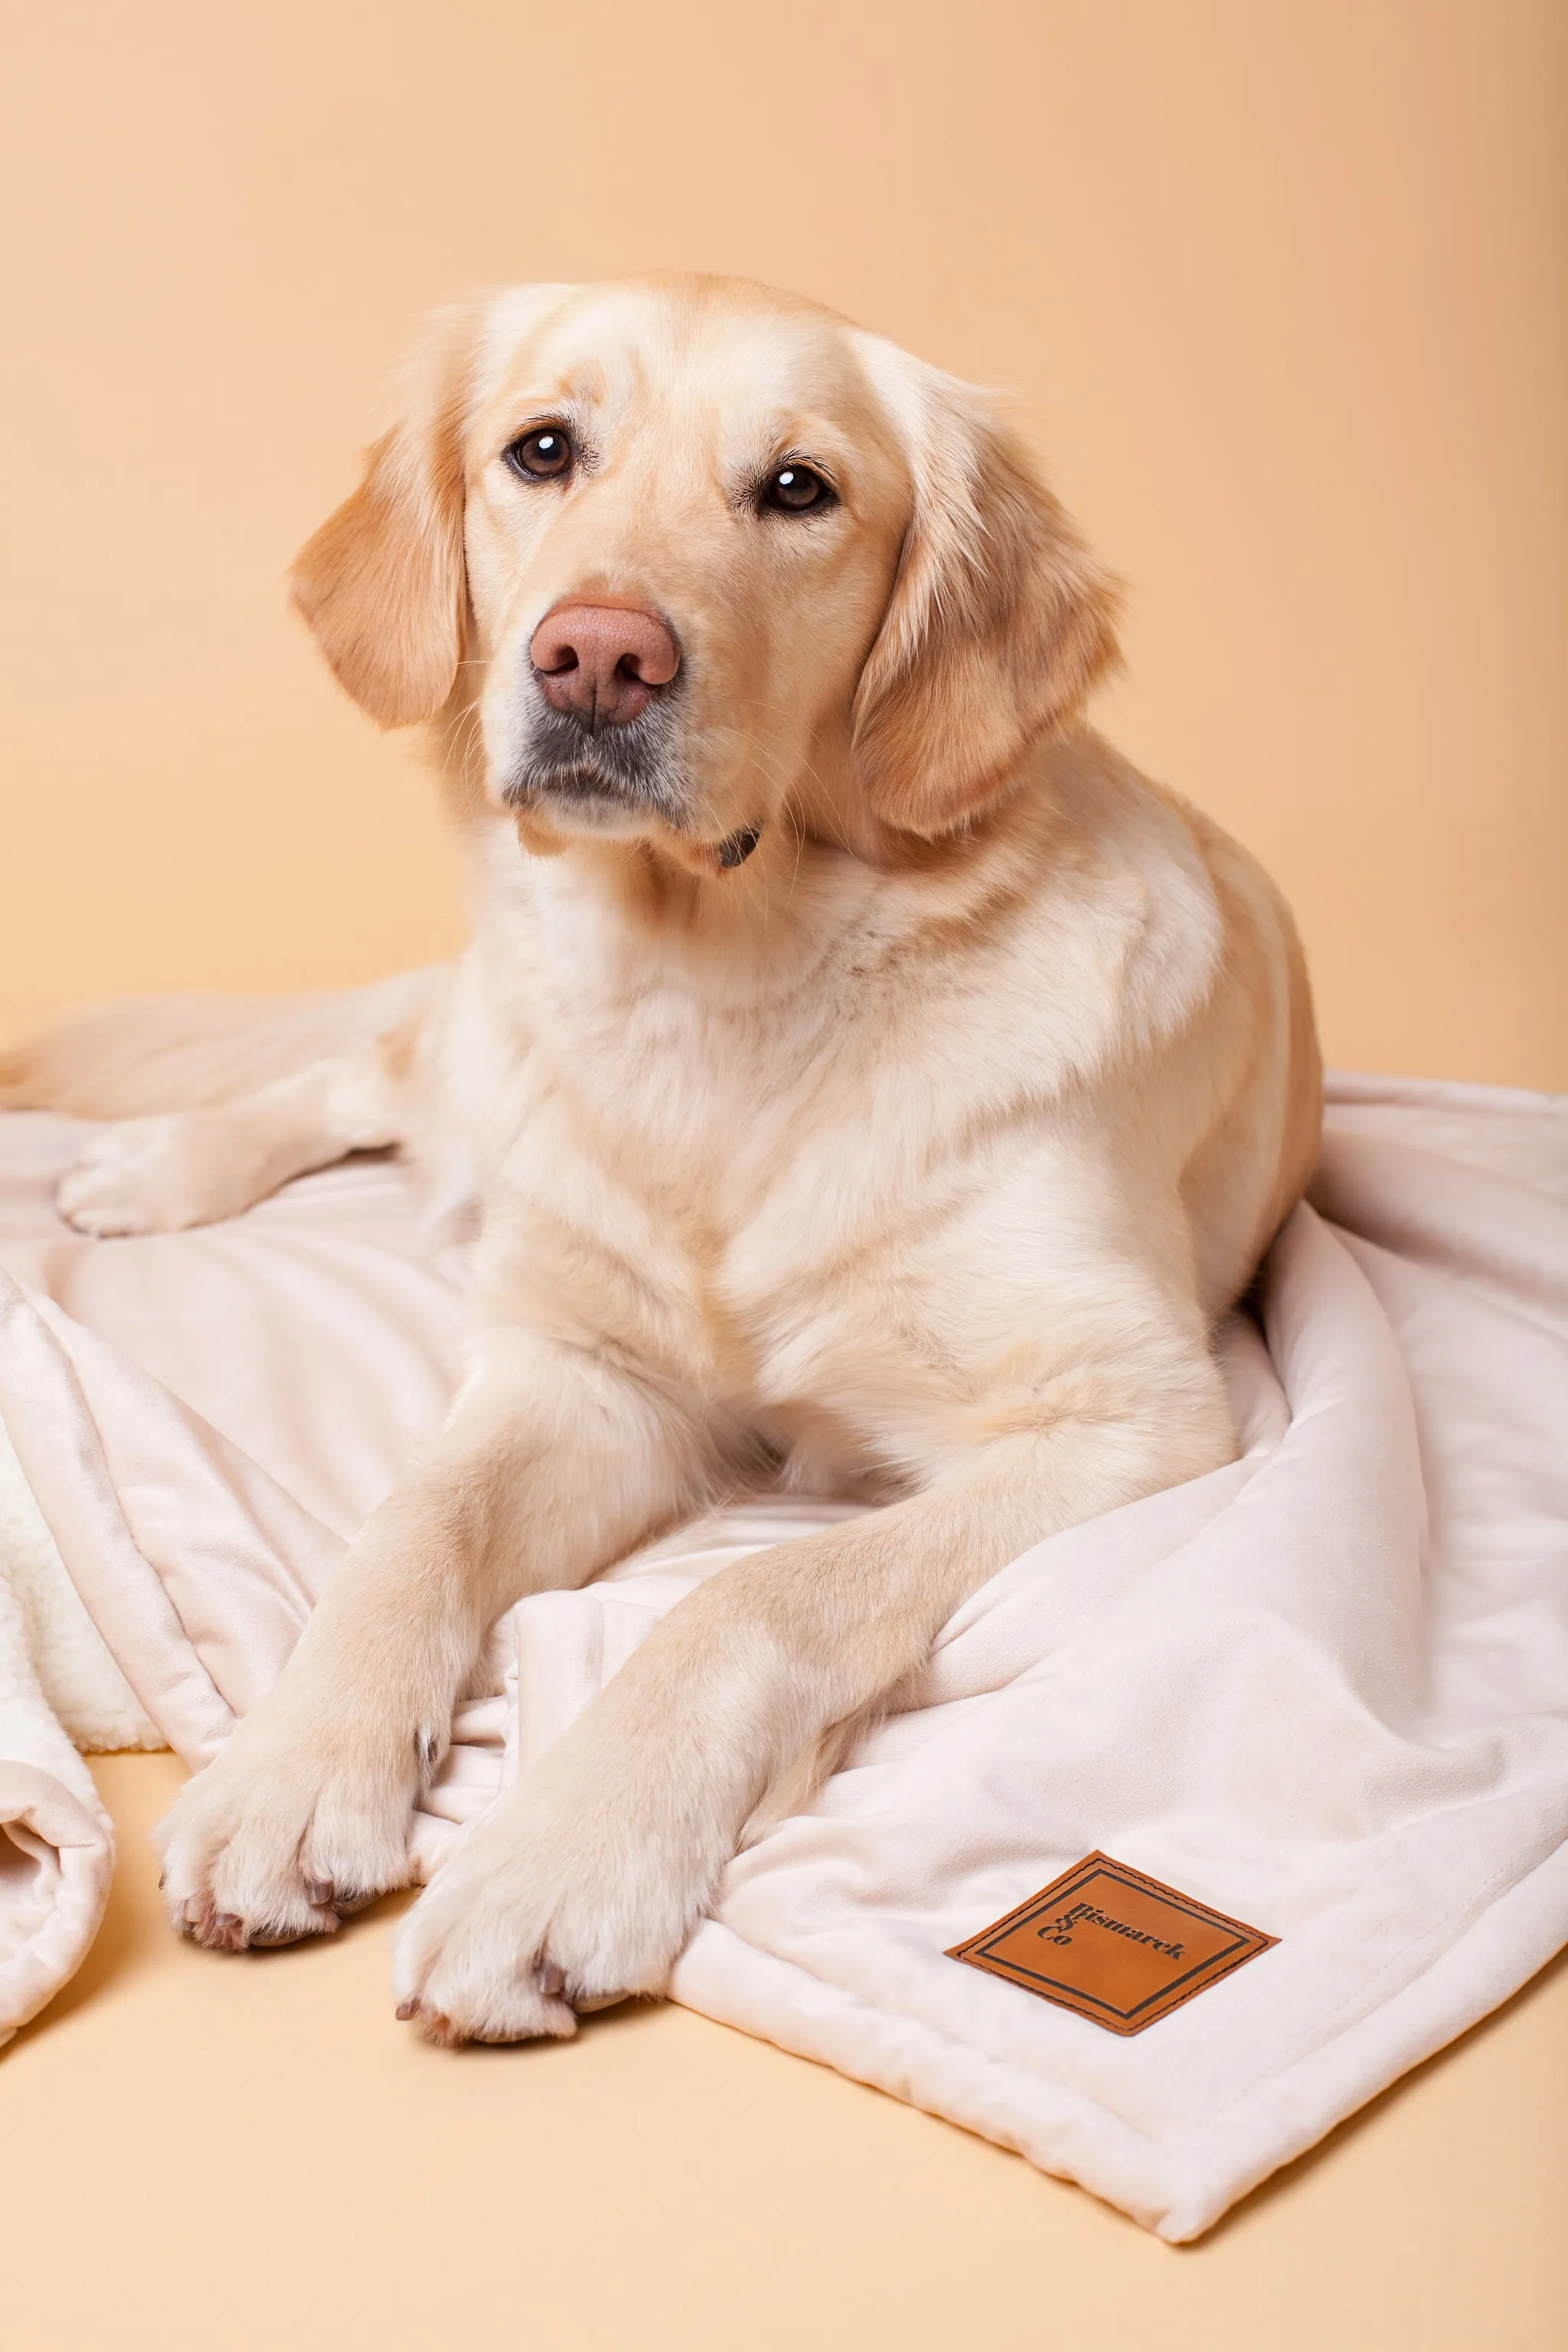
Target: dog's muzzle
(632,767)
(598,724)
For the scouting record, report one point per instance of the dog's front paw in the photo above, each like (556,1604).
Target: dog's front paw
(292,1827)
(153,1176)
(550,1907)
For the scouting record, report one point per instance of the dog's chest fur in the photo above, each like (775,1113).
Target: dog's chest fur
(806,1168)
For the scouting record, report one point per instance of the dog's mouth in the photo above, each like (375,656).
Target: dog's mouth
(612,780)
(606,778)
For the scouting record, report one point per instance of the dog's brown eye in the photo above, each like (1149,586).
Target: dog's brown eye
(795,489)
(543,455)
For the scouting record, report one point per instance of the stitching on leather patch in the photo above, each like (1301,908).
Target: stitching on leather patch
(1113,1945)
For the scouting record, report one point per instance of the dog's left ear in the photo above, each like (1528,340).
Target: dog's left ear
(999,622)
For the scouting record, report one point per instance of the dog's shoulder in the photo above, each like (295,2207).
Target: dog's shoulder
(1087,927)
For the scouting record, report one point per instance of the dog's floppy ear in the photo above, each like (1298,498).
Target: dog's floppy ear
(999,621)
(382,584)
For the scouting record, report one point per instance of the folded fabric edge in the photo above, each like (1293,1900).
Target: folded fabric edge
(73,1664)
(1437,1093)
(81,1843)
(1178,2187)
(59,1451)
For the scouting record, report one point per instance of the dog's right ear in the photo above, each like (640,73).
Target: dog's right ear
(383,585)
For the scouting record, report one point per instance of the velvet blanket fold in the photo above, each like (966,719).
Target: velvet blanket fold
(1324,1690)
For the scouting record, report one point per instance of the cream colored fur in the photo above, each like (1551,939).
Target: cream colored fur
(916,1155)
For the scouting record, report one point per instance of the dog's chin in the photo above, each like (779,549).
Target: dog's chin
(563,785)
(585,805)
(621,782)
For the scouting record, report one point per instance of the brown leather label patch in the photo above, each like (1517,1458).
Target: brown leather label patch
(1114,1945)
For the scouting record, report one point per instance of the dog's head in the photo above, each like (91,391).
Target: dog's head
(695,552)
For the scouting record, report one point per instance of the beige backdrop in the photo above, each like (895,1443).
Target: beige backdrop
(1278,287)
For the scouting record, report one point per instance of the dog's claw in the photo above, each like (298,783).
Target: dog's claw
(319,1891)
(552,1979)
(407,2009)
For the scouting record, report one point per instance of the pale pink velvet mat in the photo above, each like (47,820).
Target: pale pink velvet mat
(1325,1689)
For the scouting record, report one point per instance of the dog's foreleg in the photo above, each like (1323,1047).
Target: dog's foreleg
(553,1464)
(586,1882)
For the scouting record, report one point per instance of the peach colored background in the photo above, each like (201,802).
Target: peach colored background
(252,2153)
(1279,288)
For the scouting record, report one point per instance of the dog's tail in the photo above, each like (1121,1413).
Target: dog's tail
(191,1053)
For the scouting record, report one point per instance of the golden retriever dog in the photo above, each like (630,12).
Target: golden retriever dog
(863,1080)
